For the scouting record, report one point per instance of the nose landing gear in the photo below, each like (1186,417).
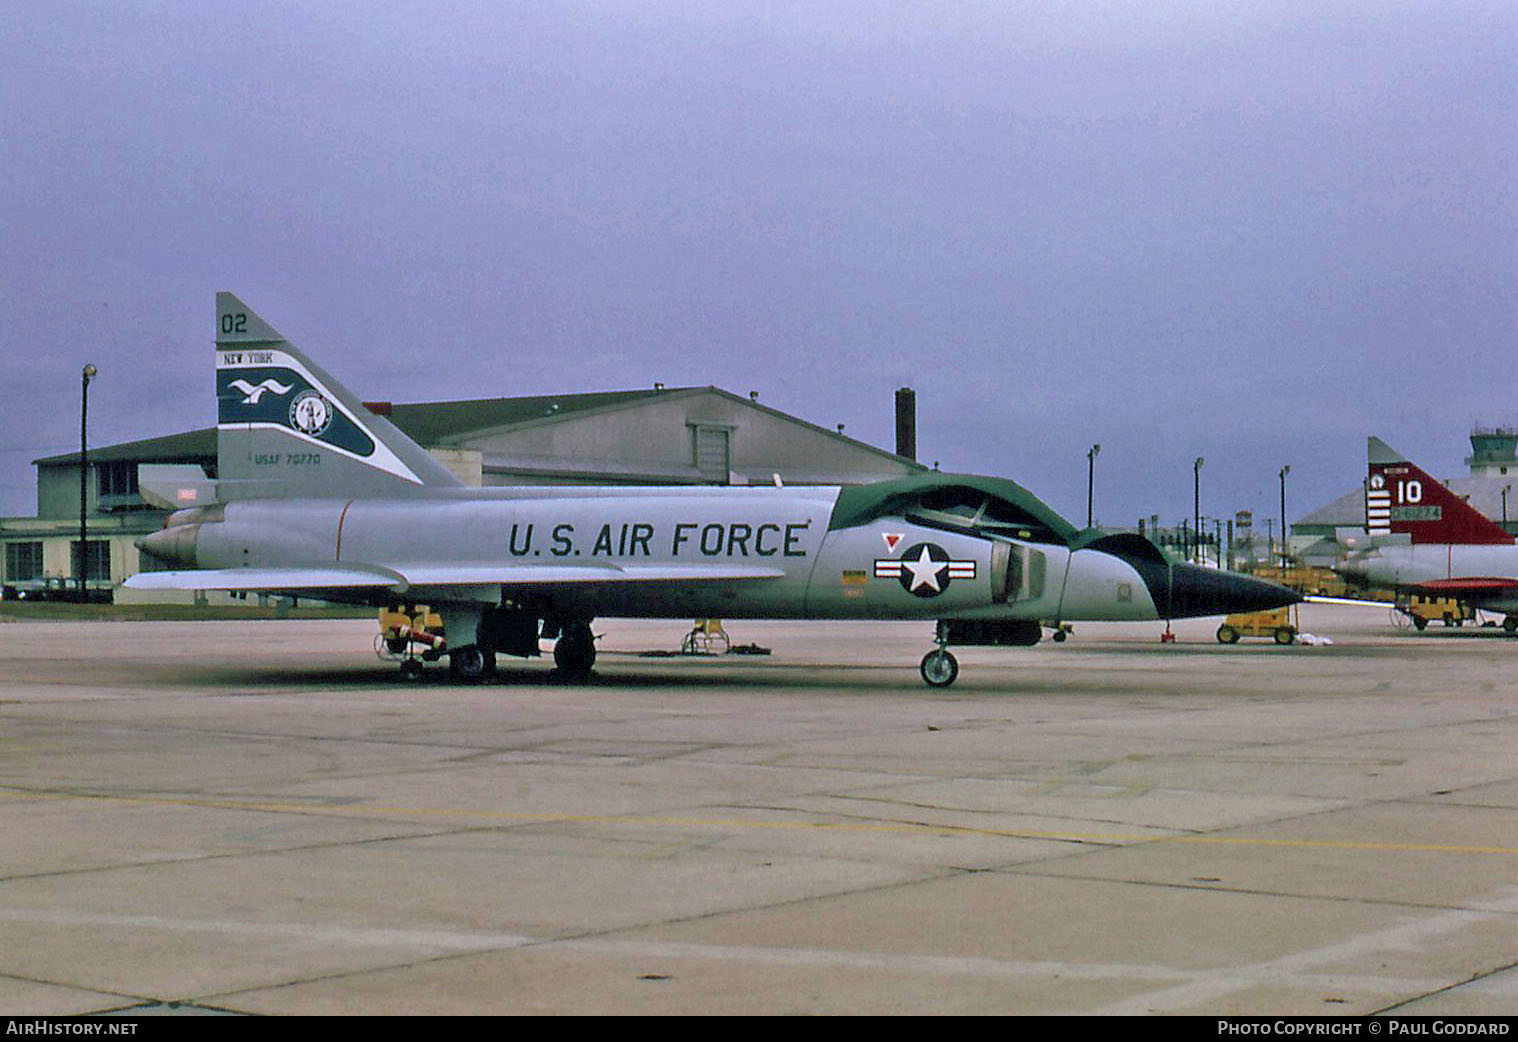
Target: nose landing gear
(939,667)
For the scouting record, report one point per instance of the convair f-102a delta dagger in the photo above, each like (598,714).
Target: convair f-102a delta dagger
(316,496)
(1426,540)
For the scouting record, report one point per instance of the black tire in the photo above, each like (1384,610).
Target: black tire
(574,653)
(411,669)
(470,663)
(1510,624)
(1420,623)
(939,668)
(1285,635)
(1227,635)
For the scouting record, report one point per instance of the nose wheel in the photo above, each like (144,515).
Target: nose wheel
(939,668)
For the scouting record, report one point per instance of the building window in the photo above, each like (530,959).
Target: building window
(97,566)
(23,561)
(713,453)
(117,479)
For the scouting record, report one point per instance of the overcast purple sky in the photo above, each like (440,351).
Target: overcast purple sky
(1251,232)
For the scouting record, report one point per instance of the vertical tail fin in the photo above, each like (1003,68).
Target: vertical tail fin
(1401,498)
(286,428)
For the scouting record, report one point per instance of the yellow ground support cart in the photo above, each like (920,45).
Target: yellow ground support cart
(1420,611)
(403,630)
(1281,625)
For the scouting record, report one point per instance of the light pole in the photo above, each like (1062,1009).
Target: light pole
(1505,491)
(1091,455)
(1196,500)
(83,560)
(1285,532)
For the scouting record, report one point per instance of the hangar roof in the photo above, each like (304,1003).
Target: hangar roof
(429,423)
(170,448)
(432,424)
(1346,511)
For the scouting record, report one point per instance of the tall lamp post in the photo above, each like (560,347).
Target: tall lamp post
(1285,532)
(1196,501)
(1506,489)
(1091,455)
(83,560)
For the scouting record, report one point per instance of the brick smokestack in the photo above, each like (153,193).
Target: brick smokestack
(906,423)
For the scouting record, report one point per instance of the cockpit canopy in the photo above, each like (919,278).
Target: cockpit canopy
(957,503)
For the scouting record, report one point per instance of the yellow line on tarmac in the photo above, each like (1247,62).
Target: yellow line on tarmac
(360,811)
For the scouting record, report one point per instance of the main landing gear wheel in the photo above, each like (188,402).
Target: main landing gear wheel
(939,668)
(574,653)
(470,663)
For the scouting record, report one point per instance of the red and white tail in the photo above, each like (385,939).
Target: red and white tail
(1401,498)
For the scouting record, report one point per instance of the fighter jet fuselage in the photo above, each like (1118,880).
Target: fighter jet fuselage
(734,553)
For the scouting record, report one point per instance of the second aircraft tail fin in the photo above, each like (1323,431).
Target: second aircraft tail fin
(286,428)
(1401,499)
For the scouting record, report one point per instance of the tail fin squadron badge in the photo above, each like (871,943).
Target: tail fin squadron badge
(310,413)
(924,570)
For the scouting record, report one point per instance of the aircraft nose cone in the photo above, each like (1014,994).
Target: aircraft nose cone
(1196,591)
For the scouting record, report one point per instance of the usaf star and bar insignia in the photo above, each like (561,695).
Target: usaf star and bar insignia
(923,569)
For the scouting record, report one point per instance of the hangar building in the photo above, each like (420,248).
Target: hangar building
(676,436)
